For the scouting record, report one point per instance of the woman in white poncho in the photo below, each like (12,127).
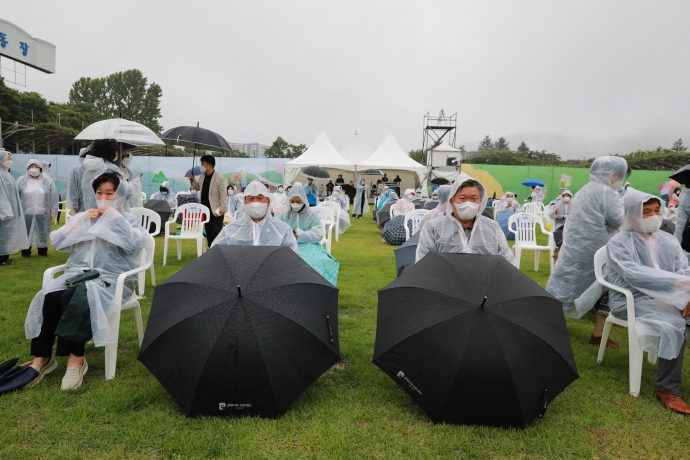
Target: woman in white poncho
(165,194)
(40,203)
(443,195)
(651,265)
(13,236)
(361,205)
(105,239)
(339,197)
(101,158)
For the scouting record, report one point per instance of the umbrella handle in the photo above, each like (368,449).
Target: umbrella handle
(328,324)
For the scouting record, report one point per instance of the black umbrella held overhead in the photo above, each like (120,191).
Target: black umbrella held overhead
(473,340)
(406,254)
(682,176)
(235,333)
(195,138)
(316,172)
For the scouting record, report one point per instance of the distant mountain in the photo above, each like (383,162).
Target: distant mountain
(573,145)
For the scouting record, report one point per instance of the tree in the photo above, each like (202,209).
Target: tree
(122,94)
(297,150)
(419,156)
(679,147)
(501,144)
(485,144)
(33,109)
(10,102)
(280,148)
(522,148)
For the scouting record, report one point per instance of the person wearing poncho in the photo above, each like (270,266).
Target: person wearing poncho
(361,205)
(40,204)
(165,194)
(306,225)
(13,236)
(105,238)
(651,265)
(339,197)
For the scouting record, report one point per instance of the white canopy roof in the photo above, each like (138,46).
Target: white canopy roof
(390,156)
(445,147)
(321,153)
(356,150)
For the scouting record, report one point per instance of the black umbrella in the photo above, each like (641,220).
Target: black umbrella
(406,254)
(371,172)
(440,181)
(316,173)
(195,138)
(160,207)
(236,333)
(473,340)
(682,175)
(13,377)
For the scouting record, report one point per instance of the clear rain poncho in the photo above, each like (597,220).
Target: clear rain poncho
(279,198)
(683,211)
(94,167)
(439,211)
(339,197)
(13,235)
(267,232)
(361,206)
(654,268)
(537,195)
(169,196)
(508,205)
(135,200)
(404,205)
(307,225)
(110,245)
(561,208)
(235,204)
(445,234)
(74,194)
(595,216)
(40,202)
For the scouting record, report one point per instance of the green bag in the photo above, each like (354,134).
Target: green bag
(84,277)
(75,324)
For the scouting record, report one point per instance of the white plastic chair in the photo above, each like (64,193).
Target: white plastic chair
(495,204)
(119,303)
(523,225)
(534,208)
(194,216)
(143,196)
(327,222)
(634,351)
(62,208)
(147,217)
(413,216)
(335,208)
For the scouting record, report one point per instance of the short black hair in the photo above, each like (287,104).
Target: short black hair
(108,176)
(105,148)
(208,159)
(230,185)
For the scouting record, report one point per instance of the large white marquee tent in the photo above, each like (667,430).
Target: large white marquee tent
(320,153)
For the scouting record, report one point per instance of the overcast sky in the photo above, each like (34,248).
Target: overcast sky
(255,70)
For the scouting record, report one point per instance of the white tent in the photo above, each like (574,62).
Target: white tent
(391,159)
(356,150)
(320,153)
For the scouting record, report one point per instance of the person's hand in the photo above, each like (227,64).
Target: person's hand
(191,177)
(223,211)
(560,216)
(296,235)
(94,213)
(102,210)
(686,311)
(76,208)
(53,212)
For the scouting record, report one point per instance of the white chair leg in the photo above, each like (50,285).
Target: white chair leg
(518,254)
(652,357)
(165,250)
(537,255)
(179,249)
(551,261)
(337,229)
(140,324)
(199,247)
(604,339)
(153,275)
(635,371)
(111,350)
(141,281)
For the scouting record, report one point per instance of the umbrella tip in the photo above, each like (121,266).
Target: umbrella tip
(483,302)
(239,291)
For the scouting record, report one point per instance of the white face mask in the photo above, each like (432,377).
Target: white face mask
(164,193)
(651,224)
(280,190)
(101,203)
(34,172)
(127,160)
(92,163)
(8,163)
(296,206)
(467,210)
(231,192)
(256,209)
(566,199)
(509,200)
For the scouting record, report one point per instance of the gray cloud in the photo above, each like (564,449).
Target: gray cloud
(252,71)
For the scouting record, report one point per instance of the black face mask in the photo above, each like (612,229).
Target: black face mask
(163,190)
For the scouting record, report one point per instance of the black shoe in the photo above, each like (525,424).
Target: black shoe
(7,262)
(26,253)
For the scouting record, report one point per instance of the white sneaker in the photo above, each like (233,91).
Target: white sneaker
(45,370)
(74,376)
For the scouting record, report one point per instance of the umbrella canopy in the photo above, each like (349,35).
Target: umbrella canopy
(371,172)
(125,131)
(406,254)
(533,183)
(480,346)
(160,207)
(242,330)
(13,377)
(195,137)
(440,181)
(196,170)
(682,175)
(315,172)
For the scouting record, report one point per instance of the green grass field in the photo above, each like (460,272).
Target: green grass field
(352,411)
